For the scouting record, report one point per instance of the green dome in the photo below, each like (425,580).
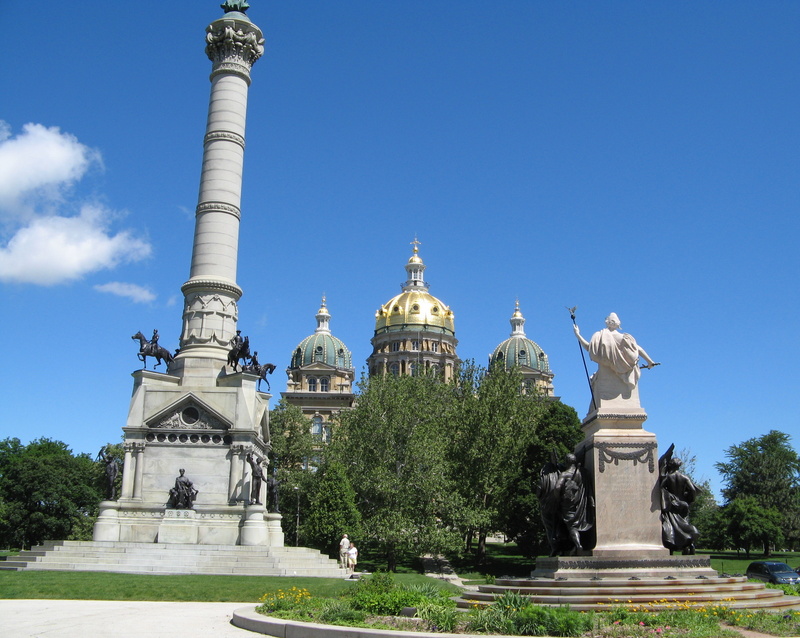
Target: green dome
(322,346)
(520,351)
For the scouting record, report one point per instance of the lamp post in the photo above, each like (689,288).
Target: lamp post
(297,519)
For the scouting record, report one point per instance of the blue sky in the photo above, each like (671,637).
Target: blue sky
(640,158)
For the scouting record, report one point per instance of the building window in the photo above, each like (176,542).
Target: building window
(434,346)
(395,369)
(312,384)
(413,368)
(395,346)
(316,427)
(523,357)
(324,384)
(319,354)
(415,344)
(326,433)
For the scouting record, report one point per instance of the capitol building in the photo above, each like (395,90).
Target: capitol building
(414,334)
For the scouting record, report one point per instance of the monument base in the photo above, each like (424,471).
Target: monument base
(178,526)
(622,459)
(639,567)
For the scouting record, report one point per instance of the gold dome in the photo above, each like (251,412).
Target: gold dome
(413,308)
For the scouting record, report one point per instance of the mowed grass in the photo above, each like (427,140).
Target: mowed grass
(733,563)
(188,588)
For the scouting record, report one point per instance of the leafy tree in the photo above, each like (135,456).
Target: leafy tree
(493,425)
(48,492)
(559,431)
(768,469)
(332,510)
(392,445)
(292,453)
(748,523)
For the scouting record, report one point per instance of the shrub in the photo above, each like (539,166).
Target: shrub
(280,600)
(339,612)
(440,614)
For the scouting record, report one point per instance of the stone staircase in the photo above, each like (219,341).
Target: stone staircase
(586,594)
(163,558)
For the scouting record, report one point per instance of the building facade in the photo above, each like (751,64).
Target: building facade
(320,376)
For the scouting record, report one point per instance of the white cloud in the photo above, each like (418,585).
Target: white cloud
(48,243)
(54,250)
(137,294)
(39,163)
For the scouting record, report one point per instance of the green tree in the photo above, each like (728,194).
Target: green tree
(492,425)
(768,469)
(292,454)
(48,492)
(558,431)
(392,446)
(748,523)
(332,510)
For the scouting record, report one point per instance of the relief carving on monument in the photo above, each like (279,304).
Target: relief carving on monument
(640,453)
(189,417)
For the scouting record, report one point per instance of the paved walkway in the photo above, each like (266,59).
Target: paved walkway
(117,619)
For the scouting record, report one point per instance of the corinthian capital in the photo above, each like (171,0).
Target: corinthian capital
(234,43)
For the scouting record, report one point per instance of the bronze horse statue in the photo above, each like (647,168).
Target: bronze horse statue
(263,371)
(147,349)
(239,352)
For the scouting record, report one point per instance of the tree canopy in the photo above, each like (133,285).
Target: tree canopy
(47,492)
(762,480)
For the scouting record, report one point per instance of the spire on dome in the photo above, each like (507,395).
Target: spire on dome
(517,322)
(323,317)
(415,270)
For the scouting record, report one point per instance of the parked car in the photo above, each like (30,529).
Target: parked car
(773,572)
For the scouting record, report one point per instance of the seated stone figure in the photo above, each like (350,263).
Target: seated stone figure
(183,495)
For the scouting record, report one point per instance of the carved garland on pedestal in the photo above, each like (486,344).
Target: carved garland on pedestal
(642,453)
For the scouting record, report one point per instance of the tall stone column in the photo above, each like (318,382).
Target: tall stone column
(211,294)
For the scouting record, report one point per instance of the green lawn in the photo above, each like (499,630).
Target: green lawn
(733,563)
(195,588)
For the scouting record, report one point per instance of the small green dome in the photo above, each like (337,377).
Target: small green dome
(518,350)
(322,346)
(324,349)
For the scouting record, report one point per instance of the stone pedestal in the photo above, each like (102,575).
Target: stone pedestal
(622,459)
(106,527)
(254,528)
(274,530)
(178,526)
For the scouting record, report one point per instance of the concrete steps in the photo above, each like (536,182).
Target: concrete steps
(587,594)
(162,558)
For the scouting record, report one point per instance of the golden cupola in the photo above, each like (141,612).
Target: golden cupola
(414,308)
(414,331)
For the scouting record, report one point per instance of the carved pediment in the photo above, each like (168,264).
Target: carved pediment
(189,413)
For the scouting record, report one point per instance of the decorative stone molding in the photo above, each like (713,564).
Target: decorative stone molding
(219,207)
(185,438)
(233,50)
(588,562)
(226,136)
(641,453)
(203,285)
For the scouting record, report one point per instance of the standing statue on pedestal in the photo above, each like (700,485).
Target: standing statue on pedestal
(566,503)
(183,495)
(272,491)
(617,356)
(112,470)
(256,478)
(678,492)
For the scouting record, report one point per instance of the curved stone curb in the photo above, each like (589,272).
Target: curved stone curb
(248,618)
